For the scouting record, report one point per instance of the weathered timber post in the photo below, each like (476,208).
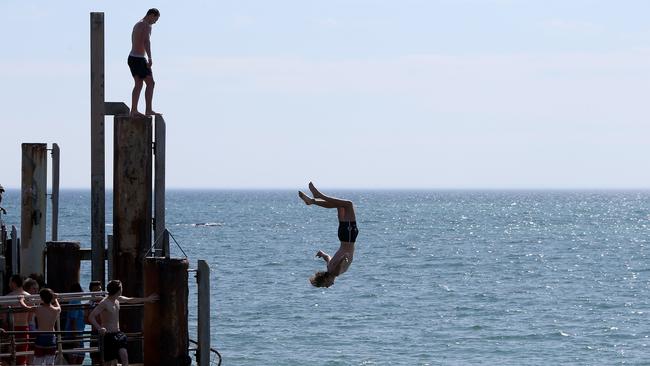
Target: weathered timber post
(14,251)
(203,281)
(97,149)
(165,322)
(63,265)
(33,212)
(161,241)
(109,250)
(56,156)
(131,214)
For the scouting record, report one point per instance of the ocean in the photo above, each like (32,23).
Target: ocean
(438,277)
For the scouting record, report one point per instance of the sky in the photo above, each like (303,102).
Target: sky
(358,94)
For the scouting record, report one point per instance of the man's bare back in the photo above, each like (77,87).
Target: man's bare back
(47,314)
(20,319)
(140,38)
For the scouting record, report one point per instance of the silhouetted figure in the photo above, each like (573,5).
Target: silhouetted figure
(347,234)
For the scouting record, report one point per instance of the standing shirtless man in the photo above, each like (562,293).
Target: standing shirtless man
(140,67)
(109,312)
(21,319)
(46,315)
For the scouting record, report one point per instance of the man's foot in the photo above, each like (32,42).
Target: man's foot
(304,197)
(135,113)
(315,191)
(152,113)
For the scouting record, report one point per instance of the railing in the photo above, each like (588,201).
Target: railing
(10,341)
(36,299)
(14,341)
(215,356)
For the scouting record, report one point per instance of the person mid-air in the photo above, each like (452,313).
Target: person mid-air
(347,232)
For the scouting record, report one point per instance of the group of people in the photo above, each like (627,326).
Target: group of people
(101,313)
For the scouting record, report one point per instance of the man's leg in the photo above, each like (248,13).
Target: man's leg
(124,356)
(148,95)
(135,95)
(322,203)
(335,202)
(345,208)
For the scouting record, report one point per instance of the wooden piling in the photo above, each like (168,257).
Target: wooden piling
(204,334)
(56,156)
(97,149)
(14,251)
(161,241)
(33,211)
(132,203)
(166,336)
(63,265)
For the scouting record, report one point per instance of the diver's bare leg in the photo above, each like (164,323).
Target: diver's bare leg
(308,200)
(336,202)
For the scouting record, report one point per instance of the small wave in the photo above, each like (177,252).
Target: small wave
(208,224)
(272,264)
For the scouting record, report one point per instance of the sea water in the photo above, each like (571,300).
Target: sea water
(438,277)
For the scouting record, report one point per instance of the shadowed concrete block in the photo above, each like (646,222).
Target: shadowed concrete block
(63,265)
(165,322)
(115,108)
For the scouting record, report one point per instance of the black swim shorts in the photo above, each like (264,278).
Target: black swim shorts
(112,344)
(348,231)
(139,67)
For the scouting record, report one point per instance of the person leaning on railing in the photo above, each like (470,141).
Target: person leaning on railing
(109,310)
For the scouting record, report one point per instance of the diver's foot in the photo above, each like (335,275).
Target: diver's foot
(304,197)
(135,113)
(151,112)
(315,191)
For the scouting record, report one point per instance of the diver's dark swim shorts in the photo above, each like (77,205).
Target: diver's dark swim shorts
(139,67)
(348,231)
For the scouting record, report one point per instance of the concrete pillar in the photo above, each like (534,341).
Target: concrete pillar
(33,212)
(63,264)
(165,322)
(132,204)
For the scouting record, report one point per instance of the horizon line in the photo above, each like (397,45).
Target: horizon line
(627,188)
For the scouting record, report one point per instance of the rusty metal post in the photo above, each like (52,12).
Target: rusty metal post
(166,336)
(56,155)
(63,265)
(33,212)
(203,281)
(132,191)
(97,149)
(159,189)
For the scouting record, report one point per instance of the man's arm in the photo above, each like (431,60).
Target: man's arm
(324,255)
(147,43)
(138,300)
(22,304)
(92,318)
(55,304)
